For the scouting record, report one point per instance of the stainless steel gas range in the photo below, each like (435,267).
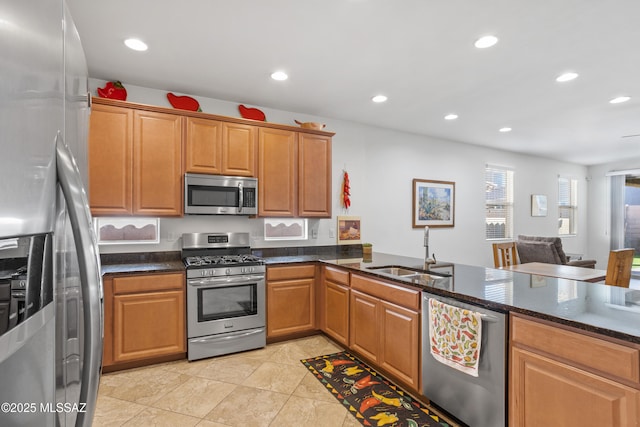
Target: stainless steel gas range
(225,294)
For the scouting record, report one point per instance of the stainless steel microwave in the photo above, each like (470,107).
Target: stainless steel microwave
(220,195)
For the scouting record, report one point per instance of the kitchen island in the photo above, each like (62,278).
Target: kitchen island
(592,307)
(573,348)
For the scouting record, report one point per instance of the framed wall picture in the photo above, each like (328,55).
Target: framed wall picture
(433,203)
(538,205)
(348,230)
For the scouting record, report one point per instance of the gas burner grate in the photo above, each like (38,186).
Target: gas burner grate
(211,260)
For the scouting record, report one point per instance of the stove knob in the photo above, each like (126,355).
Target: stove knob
(227,271)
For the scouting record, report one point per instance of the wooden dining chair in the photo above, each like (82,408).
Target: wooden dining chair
(505,254)
(619,267)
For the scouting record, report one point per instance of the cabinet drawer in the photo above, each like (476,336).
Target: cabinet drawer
(395,294)
(148,283)
(336,275)
(597,354)
(291,272)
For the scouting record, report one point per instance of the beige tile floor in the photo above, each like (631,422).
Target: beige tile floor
(265,387)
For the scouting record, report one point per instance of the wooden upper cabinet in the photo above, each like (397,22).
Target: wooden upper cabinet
(314,175)
(135,162)
(294,174)
(238,150)
(110,160)
(219,148)
(203,148)
(277,166)
(157,164)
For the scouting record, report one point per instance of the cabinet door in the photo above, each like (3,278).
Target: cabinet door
(290,307)
(400,347)
(336,315)
(277,170)
(545,392)
(148,325)
(364,326)
(110,160)
(238,150)
(314,176)
(157,167)
(203,150)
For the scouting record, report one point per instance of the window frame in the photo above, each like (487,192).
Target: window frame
(570,207)
(506,203)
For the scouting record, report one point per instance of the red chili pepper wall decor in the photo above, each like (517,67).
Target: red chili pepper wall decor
(346,191)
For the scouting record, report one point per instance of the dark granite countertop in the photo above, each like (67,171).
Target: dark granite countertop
(598,308)
(144,262)
(593,307)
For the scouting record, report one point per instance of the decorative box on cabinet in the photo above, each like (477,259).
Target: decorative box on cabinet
(135,161)
(290,300)
(561,376)
(144,317)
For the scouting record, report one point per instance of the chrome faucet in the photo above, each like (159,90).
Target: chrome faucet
(428,261)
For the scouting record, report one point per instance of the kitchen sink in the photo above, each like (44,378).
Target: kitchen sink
(402,271)
(394,271)
(411,274)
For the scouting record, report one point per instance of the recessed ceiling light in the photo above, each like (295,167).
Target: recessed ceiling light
(504,130)
(485,42)
(620,99)
(279,75)
(451,117)
(136,44)
(566,77)
(379,98)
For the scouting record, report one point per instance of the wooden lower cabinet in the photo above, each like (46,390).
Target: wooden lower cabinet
(365,329)
(144,317)
(335,304)
(385,327)
(400,346)
(291,300)
(562,377)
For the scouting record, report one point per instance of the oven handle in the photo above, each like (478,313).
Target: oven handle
(228,337)
(208,281)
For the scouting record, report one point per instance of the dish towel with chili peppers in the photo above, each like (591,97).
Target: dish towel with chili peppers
(456,336)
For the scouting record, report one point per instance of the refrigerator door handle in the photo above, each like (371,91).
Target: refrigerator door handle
(91,280)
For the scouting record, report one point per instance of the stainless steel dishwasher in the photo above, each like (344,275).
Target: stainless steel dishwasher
(476,401)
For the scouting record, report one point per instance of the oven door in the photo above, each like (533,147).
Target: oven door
(217,305)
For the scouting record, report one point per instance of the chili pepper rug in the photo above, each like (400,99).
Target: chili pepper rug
(371,398)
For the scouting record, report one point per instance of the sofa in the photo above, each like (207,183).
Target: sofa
(548,250)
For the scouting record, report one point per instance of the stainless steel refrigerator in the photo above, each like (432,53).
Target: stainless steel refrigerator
(50,283)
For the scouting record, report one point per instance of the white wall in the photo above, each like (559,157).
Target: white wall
(382,164)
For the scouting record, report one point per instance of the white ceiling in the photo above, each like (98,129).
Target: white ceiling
(420,53)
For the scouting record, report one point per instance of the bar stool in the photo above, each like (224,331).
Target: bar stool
(619,267)
(505,254)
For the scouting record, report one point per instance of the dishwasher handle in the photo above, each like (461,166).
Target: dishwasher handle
(486,317)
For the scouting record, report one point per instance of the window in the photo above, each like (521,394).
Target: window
(498,202)
(567,206)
